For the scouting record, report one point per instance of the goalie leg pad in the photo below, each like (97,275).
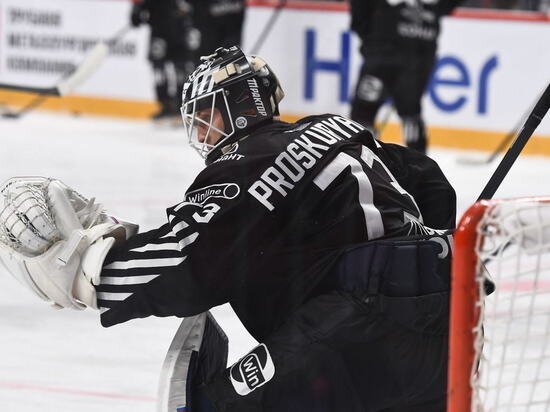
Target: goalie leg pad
(197,353)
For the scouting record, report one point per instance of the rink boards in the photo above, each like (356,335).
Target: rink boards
(489,70)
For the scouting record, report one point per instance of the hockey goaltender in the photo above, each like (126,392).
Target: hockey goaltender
(332,248)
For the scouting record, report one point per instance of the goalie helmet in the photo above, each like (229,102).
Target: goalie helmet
(243,90)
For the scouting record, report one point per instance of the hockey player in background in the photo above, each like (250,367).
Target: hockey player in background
(398,44)
(220,22)
(173,48)
(182,30)
(319,236)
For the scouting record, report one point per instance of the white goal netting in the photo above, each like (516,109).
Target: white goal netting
(512,336)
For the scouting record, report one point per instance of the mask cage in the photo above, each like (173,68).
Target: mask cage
(192,123)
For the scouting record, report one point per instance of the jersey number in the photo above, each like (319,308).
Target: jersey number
(373,217)
(207,212)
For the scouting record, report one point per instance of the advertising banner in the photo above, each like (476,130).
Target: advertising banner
(41,41)
(489,72)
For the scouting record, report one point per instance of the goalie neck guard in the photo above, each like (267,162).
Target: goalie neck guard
(226,98)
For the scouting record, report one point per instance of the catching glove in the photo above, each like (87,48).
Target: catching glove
(54,241)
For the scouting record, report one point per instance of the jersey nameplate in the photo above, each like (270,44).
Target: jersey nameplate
(300,155)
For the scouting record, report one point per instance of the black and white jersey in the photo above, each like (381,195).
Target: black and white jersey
(262,226)
(406,25)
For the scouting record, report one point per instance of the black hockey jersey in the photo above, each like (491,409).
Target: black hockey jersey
(167,18)
(405,25)
(220,22)
(220,8)
(264,224)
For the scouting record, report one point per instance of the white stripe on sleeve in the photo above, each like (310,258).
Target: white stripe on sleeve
(127,280)
(145,263)
(154,246)
(186,241)
(112,296)
(179,226)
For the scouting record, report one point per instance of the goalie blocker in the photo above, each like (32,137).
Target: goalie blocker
(389,311)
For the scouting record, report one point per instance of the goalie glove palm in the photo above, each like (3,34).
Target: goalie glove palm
(66,271)
(56,272)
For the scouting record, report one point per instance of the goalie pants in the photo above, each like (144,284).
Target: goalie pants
(353,350)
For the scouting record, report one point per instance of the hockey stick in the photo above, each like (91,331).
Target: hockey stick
(268,26)
(500,148)
(494,154)
(35,102)
(534,119)
(69,82)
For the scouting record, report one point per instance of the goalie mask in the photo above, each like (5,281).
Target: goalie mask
(226,98)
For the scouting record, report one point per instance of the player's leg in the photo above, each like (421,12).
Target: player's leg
(183,66)
(184,56)
(407,93)
(417,350)
(339,353)
(307,376)
(413,282)
(294,370)
(158,49)
(407,101)
(369,96)
(414,132)
(357,349)
(184,53)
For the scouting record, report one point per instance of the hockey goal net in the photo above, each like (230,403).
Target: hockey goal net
(499,343)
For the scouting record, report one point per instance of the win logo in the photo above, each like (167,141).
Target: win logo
(252,371)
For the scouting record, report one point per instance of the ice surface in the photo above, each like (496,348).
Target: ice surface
(64,361)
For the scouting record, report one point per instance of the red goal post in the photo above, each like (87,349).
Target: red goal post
(499,345)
